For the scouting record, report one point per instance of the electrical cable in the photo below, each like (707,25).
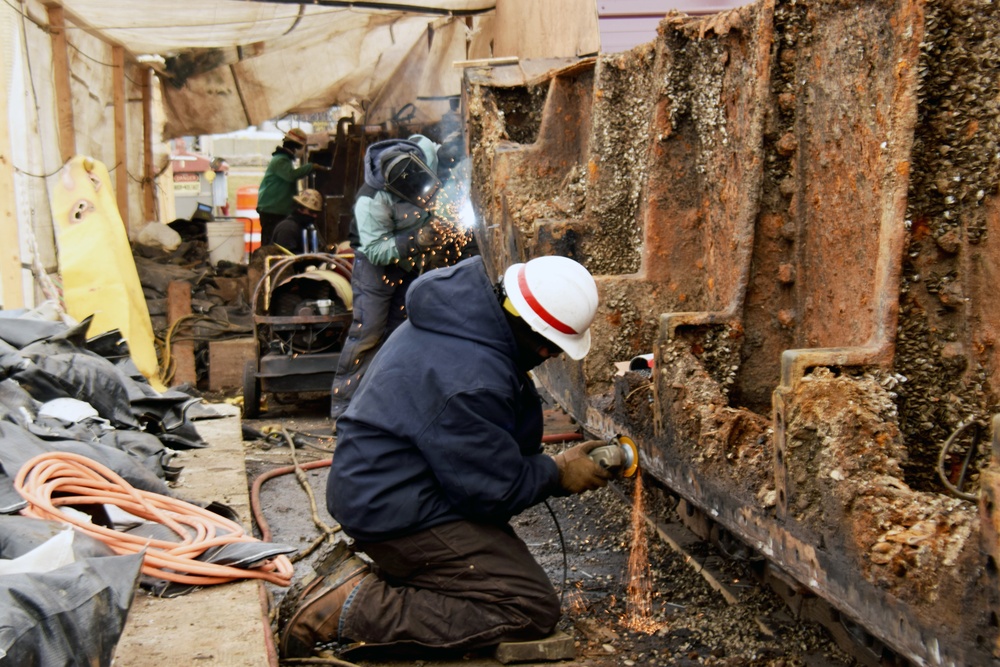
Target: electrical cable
(956,489)
(56,479)
(411,8)
(33,175)
(277,439)
(167,363)
(562,544)
(329,531)
(561,437)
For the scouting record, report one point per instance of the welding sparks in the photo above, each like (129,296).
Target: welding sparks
(453,202)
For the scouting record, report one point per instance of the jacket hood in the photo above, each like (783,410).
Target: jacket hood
(373,159)
(459,301)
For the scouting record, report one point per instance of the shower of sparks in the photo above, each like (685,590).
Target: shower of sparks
(639,593)
(575,601)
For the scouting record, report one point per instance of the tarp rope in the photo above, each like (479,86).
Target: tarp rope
(55,479)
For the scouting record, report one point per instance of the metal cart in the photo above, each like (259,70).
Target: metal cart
(301,315)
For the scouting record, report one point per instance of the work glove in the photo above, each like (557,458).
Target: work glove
(577,473)
(429,236)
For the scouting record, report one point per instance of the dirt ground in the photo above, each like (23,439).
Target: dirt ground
(689,622)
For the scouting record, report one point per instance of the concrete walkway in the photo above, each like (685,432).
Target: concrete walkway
(218,625)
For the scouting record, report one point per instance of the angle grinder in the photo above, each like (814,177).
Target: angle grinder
(619,455)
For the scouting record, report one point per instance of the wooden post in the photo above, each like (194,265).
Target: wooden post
(121,150)
(182,352)
(60,73)
(10,242)
(148,184)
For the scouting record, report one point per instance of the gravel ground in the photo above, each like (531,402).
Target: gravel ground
(688,622)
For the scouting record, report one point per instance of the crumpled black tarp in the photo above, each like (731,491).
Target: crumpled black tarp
(21,331)
(134,434)
(71,616)
(62,365)
(21,534)
(18,446)
(16,405)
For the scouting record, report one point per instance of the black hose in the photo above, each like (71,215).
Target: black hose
(562,544)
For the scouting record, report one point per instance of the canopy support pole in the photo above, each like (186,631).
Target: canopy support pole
(121,151)
(64,95)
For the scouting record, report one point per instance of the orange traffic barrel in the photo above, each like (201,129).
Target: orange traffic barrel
(246,210)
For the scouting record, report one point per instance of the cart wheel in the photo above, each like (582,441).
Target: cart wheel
(251,391)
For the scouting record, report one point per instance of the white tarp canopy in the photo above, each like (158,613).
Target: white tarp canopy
(228,64)
(75,79)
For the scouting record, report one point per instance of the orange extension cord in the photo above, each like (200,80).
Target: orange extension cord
(79,480)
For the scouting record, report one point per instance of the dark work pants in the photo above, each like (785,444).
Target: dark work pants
(379,308)
(459,585)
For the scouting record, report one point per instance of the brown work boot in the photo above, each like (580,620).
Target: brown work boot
(316,616)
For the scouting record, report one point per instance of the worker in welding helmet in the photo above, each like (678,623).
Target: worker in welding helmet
(281,182)
(407,177)
(439,449)
(397,233)
(298,233)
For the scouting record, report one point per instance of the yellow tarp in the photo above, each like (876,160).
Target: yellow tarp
(95,261)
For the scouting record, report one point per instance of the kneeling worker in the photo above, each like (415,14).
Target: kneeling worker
(439,448)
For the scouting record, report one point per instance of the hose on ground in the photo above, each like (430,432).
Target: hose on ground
(56,479)
(258,515)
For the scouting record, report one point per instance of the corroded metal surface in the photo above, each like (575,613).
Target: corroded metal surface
(792,205)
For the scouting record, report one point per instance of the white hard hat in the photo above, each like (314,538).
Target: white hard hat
(557,298)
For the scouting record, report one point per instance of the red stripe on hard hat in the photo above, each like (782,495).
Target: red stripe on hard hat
(549,319)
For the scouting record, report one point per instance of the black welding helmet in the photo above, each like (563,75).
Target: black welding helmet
(407,177)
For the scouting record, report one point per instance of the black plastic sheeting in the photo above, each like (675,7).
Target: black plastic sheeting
(75,615)
(72,616)
(18,446)
(236,554)
(62,365)
(137,428)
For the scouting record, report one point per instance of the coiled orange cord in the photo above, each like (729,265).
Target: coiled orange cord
(82,481)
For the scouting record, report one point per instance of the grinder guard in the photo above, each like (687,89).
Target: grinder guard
(620,456)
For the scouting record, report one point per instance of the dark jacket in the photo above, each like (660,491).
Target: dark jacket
(280,183)
(444,426)
(384,225)
(288,234)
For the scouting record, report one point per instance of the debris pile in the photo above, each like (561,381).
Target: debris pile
(219,298)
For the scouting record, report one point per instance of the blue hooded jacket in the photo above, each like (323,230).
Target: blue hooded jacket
(384,224)
(444,426)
